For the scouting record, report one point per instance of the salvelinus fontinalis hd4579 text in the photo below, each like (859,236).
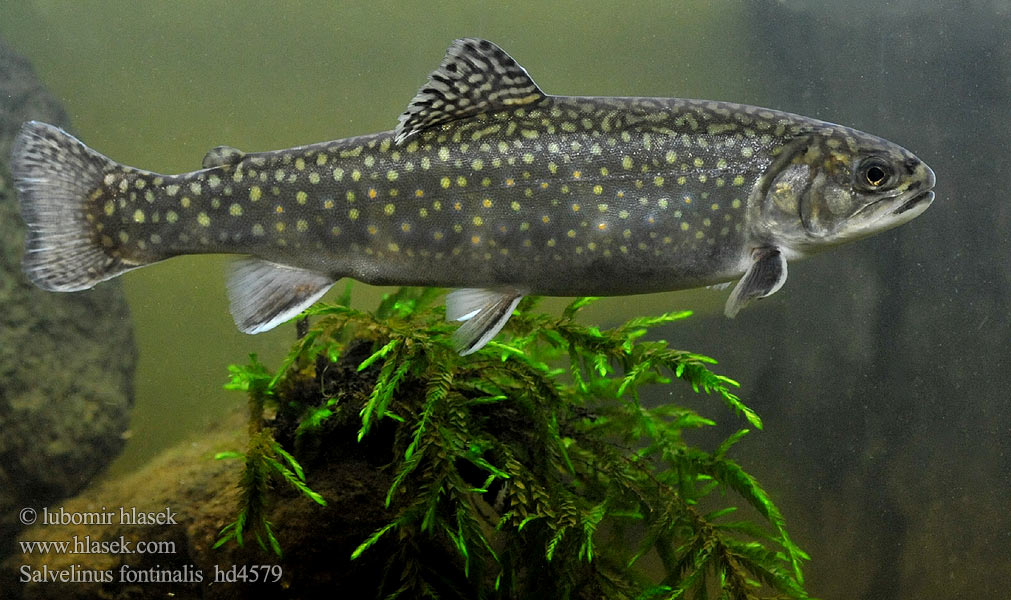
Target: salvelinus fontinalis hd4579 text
(486,185)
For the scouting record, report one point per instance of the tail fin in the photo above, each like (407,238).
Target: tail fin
(55,175)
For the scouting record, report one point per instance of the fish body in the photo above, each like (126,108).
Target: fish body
(488,186)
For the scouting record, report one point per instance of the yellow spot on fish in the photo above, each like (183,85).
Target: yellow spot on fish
(662,202)
(714,206)
(356,175)
(602,226)
(475,239)
(138,216)
(698,162)
(735,204)
(457,206)
(577,174)
(279,209)
(110,208)
(551,243)
(682,180)
(747,151)
(373,193)
(171,216)
(671,157)
(300,164)
(389,209)
(477,164)
(658,181)
(279,175)
(124,237)
(338,174)
(437,205)
(509,182)
(602,207)
(235,210)
(627,163)
(684,226)
(571,233)
(739,180)
(623,214)
(372,229)
(353,214)
(486,203)
(598,190)
(301,197)
(419,193)
(335,230)
(279,227)
(545,219)
(254,193)
(443,153)
(699,235)
(203,219)
(321,160)
(445,182)
(461,181)
(478,221)
(575,207)
(350,196)
(405,227)
(688,199)
(392,175)
(301,225)
(185,201)
(328,203)
(314,177)
(370,161)
(392,247)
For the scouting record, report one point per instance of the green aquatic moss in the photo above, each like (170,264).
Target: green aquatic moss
(533,460)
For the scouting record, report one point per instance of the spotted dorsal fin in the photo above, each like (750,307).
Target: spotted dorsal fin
(221,156)
(475,76)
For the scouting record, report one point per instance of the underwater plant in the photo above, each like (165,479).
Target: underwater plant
(532,462)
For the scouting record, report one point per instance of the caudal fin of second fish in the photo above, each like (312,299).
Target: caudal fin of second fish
(57,178)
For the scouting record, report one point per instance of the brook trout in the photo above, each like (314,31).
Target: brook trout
(489,186)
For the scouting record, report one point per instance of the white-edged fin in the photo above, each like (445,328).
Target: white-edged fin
(55,176)
(484,313)
(262,294)
(475,76)
(764,277)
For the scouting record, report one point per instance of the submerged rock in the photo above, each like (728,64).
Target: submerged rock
(66,360)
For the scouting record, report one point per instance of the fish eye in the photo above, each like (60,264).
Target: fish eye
(874,173)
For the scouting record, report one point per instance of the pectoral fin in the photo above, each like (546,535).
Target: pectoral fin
(764,277)
(263,294)
(484,313)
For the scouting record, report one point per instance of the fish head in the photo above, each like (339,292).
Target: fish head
(838,185)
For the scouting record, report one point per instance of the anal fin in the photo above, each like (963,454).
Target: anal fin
(764,277)
(262,294)
(484,313)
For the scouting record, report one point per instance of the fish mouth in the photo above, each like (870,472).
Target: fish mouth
(924,198)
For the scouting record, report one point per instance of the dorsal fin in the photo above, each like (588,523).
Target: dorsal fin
(221,156)
(475,76)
